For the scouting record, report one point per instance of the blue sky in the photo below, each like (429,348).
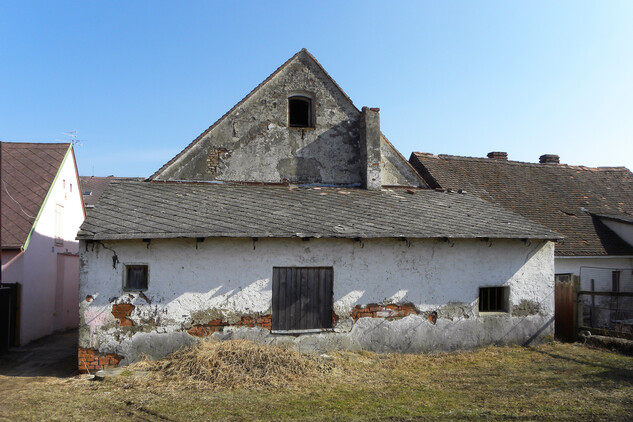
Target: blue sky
(139,80)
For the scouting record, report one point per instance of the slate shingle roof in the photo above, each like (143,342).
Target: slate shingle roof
(561,197)
(93,187)
(28,170)
(137,210)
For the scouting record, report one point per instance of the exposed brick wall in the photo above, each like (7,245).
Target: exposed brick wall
(203,330)
(383,311)
(264,321)
(89,360)
(122,311)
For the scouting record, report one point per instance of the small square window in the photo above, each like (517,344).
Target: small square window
(136,277)
(494,299)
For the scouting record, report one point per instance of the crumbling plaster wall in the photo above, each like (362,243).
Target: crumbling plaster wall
(254,142)
(228,279)
(395,170)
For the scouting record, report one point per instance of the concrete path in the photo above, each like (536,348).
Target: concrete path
(51,356)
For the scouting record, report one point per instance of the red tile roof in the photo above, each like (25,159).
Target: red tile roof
(28,171)
(561,197)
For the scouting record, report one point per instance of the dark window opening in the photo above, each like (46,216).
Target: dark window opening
(302,298)
(299,112)
(563,278)
(493,299)
(615,281)
(136,277)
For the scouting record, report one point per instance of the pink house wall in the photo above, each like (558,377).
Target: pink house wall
(48,270)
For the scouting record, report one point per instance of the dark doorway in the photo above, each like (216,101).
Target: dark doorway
(8,315)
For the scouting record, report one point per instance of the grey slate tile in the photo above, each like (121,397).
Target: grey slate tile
(135,209)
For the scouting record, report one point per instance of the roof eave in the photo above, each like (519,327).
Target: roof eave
(140,236)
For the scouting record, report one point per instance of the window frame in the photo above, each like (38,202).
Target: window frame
(311,116)
(505,300)
(126,266)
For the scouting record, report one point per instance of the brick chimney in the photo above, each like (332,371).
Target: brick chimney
(498,155)
(549,159)
(370,148)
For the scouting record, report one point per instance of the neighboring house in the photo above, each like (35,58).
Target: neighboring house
(93,187)
(292,220)
(592,208)
(41,213)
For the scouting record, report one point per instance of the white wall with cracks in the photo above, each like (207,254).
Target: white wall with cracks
(194,282)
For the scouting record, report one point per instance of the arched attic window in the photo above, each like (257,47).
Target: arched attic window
(300,111)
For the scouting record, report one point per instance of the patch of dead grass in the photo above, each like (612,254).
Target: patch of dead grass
(234,364)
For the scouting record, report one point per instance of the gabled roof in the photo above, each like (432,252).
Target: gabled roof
(558,196)
(139,210)
(303,52)
(93,187)
(28,172)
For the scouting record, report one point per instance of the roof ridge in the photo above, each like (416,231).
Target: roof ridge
(522,163)
(42,144)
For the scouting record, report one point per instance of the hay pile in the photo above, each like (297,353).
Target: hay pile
(236,364)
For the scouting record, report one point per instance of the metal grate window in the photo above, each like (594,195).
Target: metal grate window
(493,299)
(136,277)
(302,299)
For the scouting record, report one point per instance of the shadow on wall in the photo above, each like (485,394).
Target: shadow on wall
(202,312)
(49,286)
(330,146)
(613,243)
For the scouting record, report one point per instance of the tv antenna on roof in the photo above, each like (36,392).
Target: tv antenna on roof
(74,140)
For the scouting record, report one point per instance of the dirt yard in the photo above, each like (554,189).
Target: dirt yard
(549,382)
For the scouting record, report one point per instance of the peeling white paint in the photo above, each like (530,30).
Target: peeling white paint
(227,278)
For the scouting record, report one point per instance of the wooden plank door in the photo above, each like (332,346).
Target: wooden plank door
(302,298)
(565,311)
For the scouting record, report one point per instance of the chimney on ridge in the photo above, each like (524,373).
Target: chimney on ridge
(370,148)
(549,159)
(498,155)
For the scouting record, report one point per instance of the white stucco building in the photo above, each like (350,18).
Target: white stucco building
(293,220)
(42,210)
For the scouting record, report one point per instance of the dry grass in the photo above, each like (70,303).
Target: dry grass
(554,381)
(233,364)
